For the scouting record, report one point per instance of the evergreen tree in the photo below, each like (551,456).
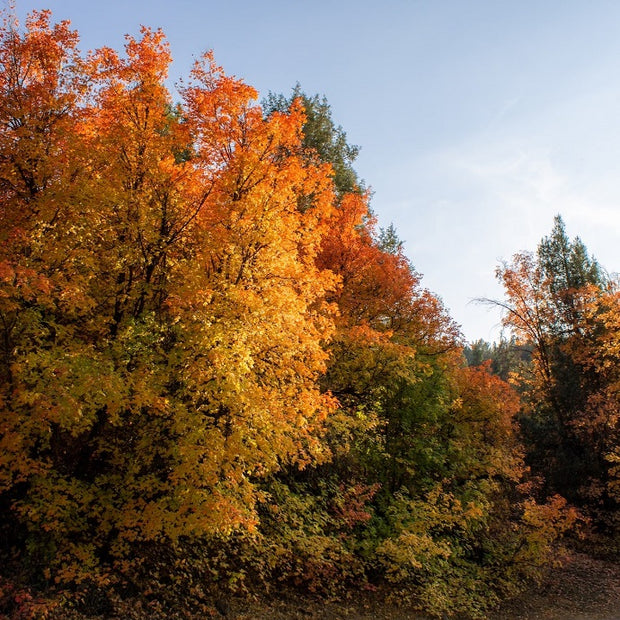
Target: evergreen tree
(322,137)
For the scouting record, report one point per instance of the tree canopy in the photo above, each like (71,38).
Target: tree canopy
(219,375)
(560,302)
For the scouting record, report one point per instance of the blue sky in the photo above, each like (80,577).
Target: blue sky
(478,120)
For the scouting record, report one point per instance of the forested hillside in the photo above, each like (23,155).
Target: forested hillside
(220,377)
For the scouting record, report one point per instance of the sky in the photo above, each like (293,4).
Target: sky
(478,120)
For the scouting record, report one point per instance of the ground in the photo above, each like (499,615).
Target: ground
(586,588)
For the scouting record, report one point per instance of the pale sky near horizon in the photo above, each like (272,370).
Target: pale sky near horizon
(478,120)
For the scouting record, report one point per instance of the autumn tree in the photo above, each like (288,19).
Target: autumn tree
(427,446)
(558,301)
(163,316)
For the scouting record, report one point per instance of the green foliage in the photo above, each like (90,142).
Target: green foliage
(389,241)
(568,268)
(322,136)
(507,356)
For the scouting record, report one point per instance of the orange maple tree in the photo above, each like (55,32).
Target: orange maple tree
(163,316)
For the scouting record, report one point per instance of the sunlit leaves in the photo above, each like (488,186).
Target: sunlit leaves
(163,317)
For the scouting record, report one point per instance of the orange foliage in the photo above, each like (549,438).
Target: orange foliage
(163,317)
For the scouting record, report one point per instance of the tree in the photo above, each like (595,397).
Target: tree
(506,356)
(163,314)
(556,301)
(212,361)
(321,137)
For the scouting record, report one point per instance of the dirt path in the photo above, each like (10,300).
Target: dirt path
(586,588)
